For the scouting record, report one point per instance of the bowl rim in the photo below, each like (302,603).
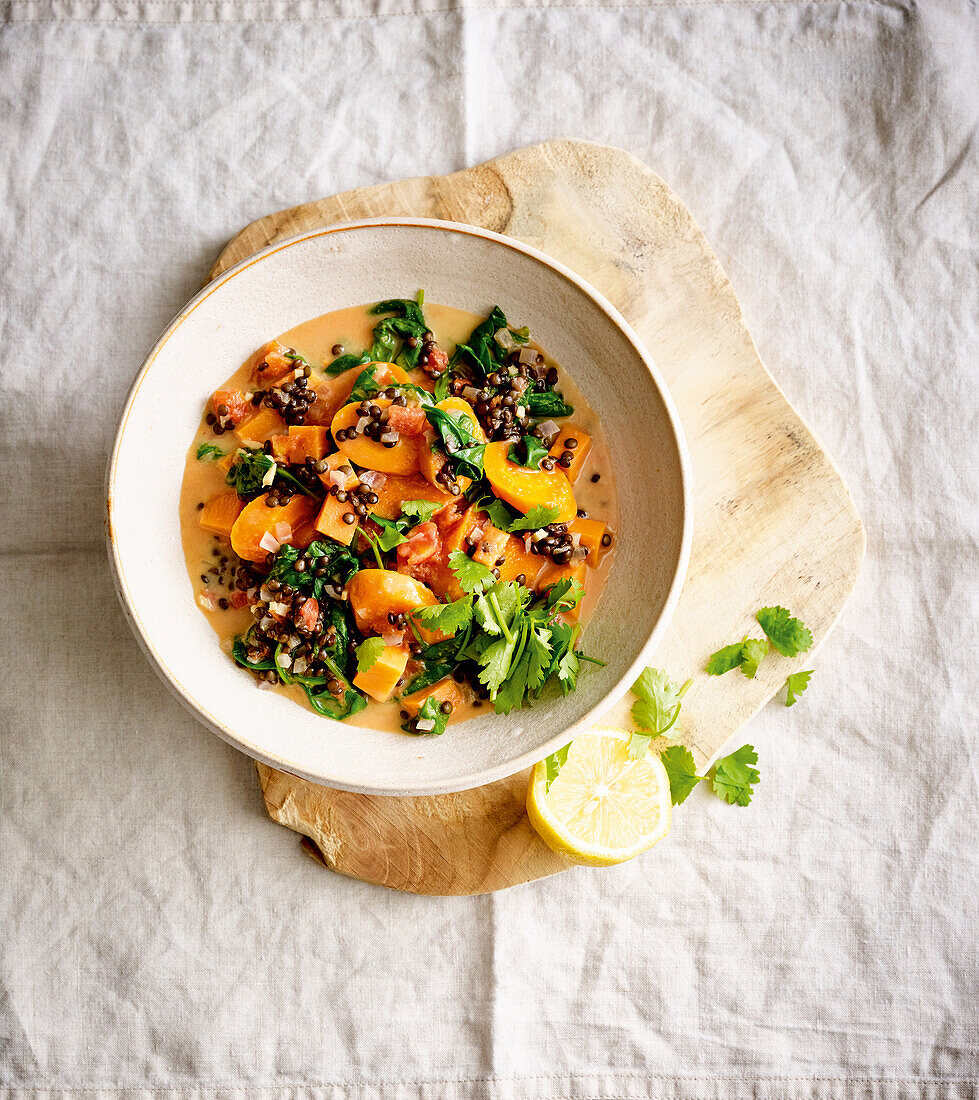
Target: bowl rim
(525,759)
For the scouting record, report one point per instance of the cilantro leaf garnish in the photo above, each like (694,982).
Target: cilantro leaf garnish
(368,652)
(445,618)
(788,635)
(392,532)
(796,684)
(472,576)
(553,764)
(724,660)
(207,452)
(538,517)
(752,652)
(420,511)
(680,767)
(656,709)
(732,777)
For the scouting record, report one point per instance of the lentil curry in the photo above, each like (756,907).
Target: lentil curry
(402,512)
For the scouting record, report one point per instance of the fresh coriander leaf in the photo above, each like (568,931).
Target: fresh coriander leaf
(657,703)
(538,517)
(528,452)
(680,767)
(788,635)
(495,663)
(796,684)
(429,711)
(724,660)
(343,363)
(207,452)
(392,532)
(553,764)
(472,576)
(732,777)
(499,514)
(753,650)
(420,511)
(497,606)
(567,671)
(514,687)
(565,595)
(445,618)
(539,654)
(368,653)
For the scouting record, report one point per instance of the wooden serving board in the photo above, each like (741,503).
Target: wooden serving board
(773,521)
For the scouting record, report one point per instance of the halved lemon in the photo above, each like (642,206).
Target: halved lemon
(602,808)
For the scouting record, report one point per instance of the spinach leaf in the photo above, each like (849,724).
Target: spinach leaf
(207,452)
(346,362)
(340,561)
(247,475)
(430,711)
(365,386)
(528,452)
(481,352)
(541,403)
(239,650)
(391,333)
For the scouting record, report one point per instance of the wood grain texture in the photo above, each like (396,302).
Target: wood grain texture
(773,520)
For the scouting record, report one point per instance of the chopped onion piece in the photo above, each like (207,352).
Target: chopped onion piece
(300,666)
(393,637)
(284,660)
(279,608)
(470,393)
(372,479)
(389,437)
(269,476)
(504,337)
(575,538)
(549,428)
(425,725)
(270,544)
(283,532)
(579,552)
(528,357)
(362,422)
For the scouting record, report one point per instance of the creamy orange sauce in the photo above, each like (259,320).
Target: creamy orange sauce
(207,554)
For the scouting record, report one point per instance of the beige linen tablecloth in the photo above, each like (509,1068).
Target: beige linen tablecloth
(158,934)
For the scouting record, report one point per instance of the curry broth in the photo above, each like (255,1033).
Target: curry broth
(314,340)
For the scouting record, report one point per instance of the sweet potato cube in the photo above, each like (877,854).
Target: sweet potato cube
(518,561)
(280,448)
(580,446)
(225,464)
(490,546)
(330,521)
(454,536)
(220,512)
(258,428)
(397,489)
(589,532)
(380,680)
(445,691)
(306,441)
(337,461)
(271,363)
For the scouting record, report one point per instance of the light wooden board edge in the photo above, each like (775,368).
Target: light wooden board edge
(564,197)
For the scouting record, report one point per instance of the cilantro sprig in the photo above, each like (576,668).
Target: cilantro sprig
(783,633)
(517,640)
(732,777)
(208,452)
(656,709)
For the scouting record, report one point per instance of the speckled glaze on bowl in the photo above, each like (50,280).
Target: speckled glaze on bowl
(365,261)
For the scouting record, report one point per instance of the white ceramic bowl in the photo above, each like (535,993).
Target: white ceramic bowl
(312,274)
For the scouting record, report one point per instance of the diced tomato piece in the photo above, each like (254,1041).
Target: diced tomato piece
(422,544)
(407,421)
(237,407)
(238,599)
(438,360)
(308,616)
